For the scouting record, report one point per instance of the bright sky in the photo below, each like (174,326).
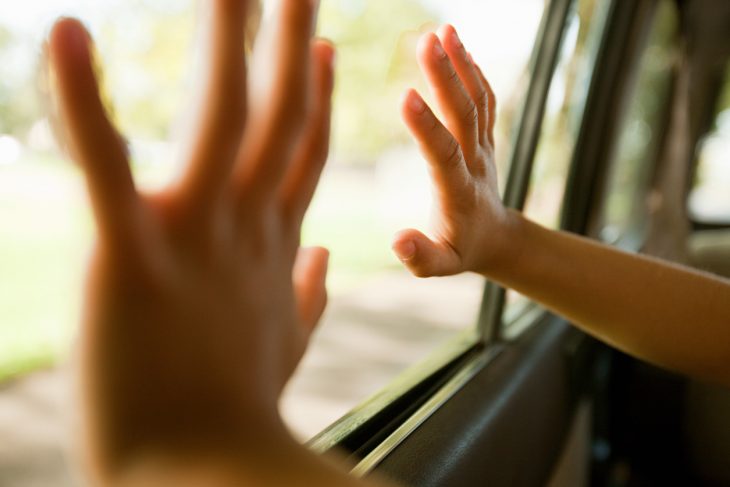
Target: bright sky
(497,32)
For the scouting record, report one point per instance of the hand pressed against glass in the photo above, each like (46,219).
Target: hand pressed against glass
(643,306)
(200,300)
(460,153)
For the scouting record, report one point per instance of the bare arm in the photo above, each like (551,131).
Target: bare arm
(666,314)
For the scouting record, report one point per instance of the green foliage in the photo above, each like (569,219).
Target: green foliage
(146,56)
(375,64)
(145,51)
(19,102)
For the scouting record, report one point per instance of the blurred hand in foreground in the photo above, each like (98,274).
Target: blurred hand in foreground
(200,300)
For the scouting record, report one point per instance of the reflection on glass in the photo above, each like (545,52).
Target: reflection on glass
(561,123)
(709,200)
(380,319)
(624,208)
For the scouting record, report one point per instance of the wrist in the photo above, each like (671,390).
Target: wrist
(506,246)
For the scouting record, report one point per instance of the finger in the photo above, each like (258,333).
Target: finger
(269,146)
(93,141)
(491,103)
(224,102)
(309,277)
(458,108)
(468,75)
(425,257)
(437,145)
(302,177)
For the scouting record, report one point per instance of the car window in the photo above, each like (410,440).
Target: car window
(561,122)
(709,199)
(380,319)
(624,208)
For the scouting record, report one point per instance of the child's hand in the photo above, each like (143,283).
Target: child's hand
(196,313)
(469,215)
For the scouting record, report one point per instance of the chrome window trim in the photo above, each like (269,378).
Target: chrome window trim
(465,374)
(332,435)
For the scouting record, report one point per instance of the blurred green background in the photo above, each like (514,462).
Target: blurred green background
(375,182)
(148,54)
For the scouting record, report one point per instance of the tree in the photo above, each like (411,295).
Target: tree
(376,42)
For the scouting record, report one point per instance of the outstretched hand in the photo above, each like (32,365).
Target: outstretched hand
(469,214)
(200,300)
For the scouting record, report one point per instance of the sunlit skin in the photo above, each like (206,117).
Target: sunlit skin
(200,301)
(669,315)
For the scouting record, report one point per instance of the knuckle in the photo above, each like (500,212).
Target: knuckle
(452,154)
(469,112)
(434,126)
(452,76)
(482,101)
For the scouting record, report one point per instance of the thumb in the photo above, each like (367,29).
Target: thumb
(425,257)
(309,277)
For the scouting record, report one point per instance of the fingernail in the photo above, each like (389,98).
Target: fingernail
(79,36)
(405,250)
(438,50)
(415,103)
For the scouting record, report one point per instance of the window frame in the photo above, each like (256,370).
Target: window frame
(623,41)
(378,425)
(572,347)
(375,427)
(590,170)
(530,312)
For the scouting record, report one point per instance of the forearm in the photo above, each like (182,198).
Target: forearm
(666,314)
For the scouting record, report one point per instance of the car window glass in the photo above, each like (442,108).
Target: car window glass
(624,209)
(709,199)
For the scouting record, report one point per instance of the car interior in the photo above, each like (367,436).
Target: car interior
(534,401)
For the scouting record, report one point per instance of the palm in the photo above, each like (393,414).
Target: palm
(194,291)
